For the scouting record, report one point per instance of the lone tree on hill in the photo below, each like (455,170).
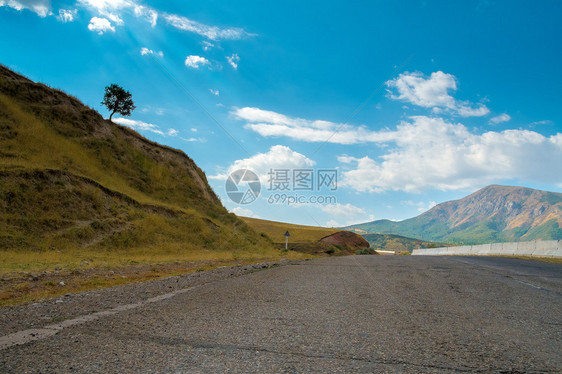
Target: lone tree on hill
(117,100)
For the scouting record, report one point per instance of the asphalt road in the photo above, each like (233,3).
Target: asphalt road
(350,314)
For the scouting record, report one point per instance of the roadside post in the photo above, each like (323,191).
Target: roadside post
(287,239)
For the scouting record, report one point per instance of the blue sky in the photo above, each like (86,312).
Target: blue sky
(413,103)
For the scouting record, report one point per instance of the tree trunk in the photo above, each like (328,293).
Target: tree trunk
(111,115)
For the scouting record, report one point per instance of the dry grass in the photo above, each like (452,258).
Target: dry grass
(20,287)
(299,233)
(36,262)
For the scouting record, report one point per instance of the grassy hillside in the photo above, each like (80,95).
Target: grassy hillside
(77,190)
(299,233)
(492,214)
(309,239)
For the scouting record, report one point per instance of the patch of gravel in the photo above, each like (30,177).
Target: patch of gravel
(53,310)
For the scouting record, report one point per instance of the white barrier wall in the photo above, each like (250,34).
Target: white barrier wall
(538,248)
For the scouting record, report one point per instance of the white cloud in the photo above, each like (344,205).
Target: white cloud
(499,119)
(104,6)
(233,60)
(278,157)
(41,7)
(143,126)
(207,45)
(433,92)
(239,211)
(433,153)
(430,92)
(420,206)
(214,92)
(345,214)
(272,124)
(195,61)
(138,125)
(100,25)
(149,14)
(111,8)
(108,8)
(210,32)
(346,210)
(364,178)
(145,51)
(152,109)
(193,140)
(66,15)
(193,129)
(545,122)
(115,18)
(466,110)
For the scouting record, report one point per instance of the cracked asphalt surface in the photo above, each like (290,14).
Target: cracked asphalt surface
(383,314)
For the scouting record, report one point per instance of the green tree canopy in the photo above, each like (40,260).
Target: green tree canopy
(118,100)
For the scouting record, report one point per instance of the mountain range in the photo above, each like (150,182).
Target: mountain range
(492,214)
